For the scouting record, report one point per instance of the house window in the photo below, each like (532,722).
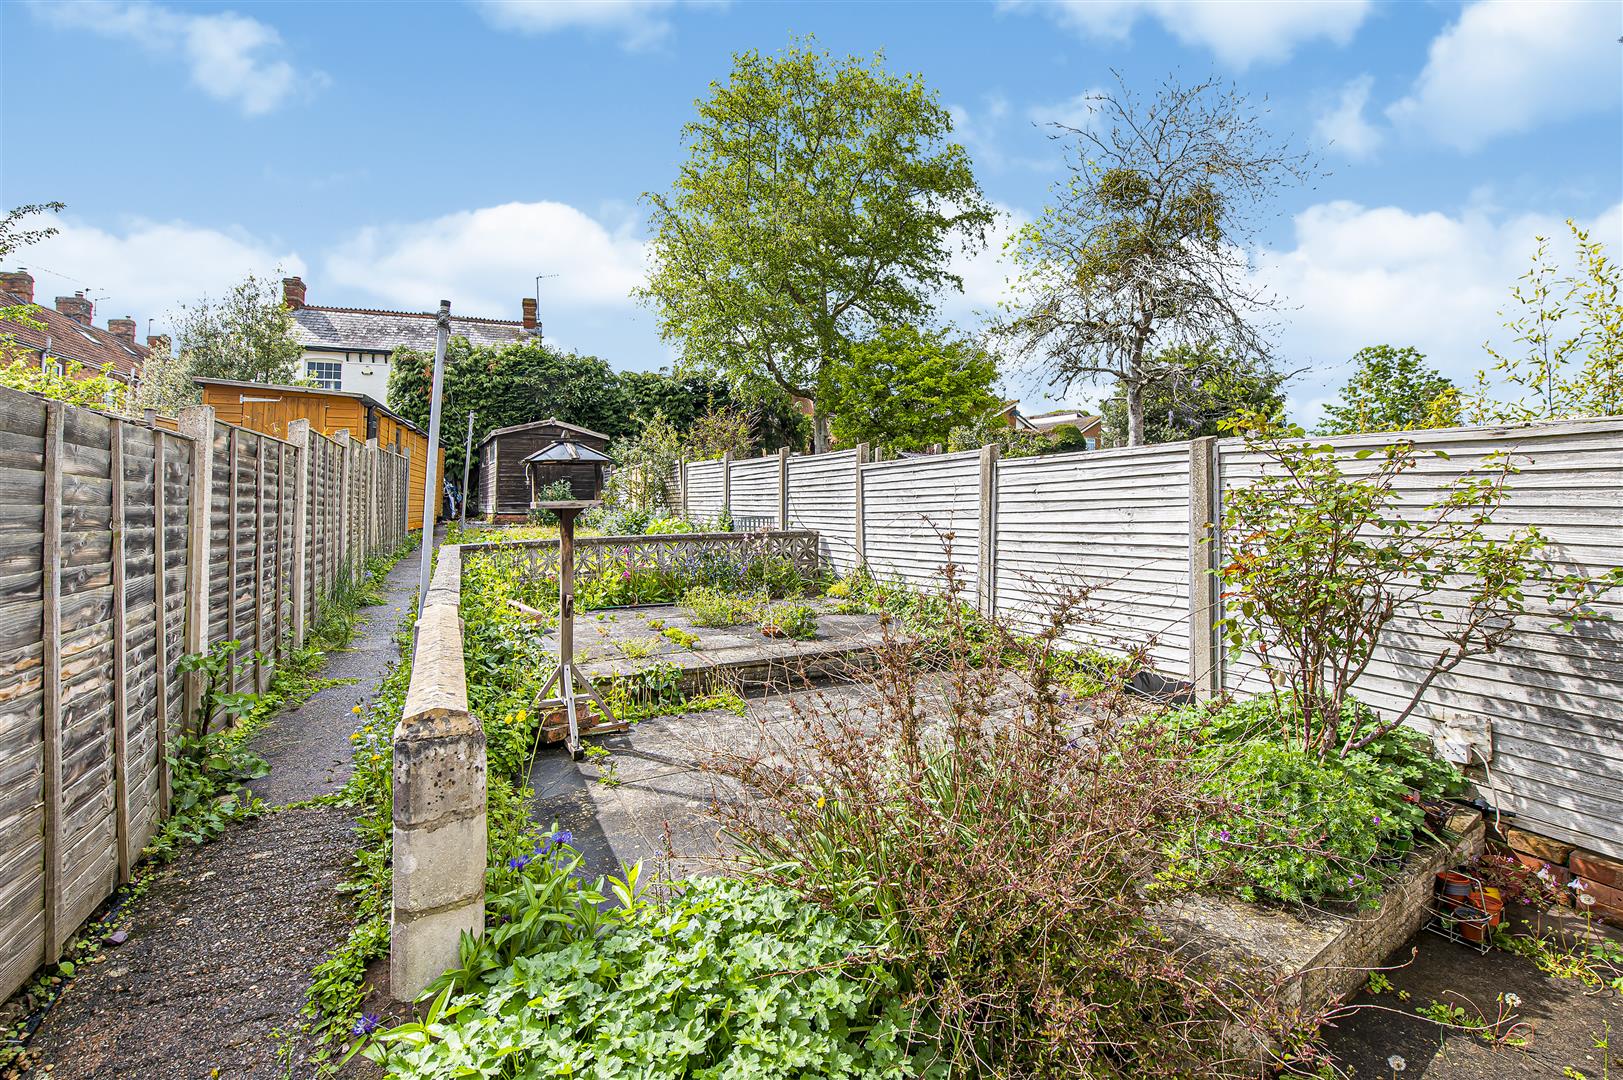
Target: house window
(327,374)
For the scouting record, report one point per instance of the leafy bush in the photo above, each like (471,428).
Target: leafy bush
(1295,826)
(718,607)
(726,979)
(788,619)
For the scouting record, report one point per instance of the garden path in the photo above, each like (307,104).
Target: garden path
(221,945)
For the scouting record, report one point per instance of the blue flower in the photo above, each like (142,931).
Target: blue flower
(562,836)
(367,1024)
(518,862)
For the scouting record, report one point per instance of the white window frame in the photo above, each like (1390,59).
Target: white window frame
(321,380)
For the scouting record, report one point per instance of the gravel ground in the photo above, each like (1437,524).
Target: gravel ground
(222,944)
(219,954)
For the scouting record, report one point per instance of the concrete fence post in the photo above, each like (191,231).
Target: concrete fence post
(197,421)
(726,483)
(986,569)
(298,433)
(439,798)
(783,487)
(1205,656)
(860,539)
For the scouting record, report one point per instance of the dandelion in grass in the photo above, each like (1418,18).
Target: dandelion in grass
(1511,1001)
(356,710)
(1396,1063)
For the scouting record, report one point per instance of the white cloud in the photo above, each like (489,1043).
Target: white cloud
(985,272)
(1509,65)
(484,260)
(639,24)
(1361,276)
(1238,32)
(1079,112)
(1344,126)
(230,57)
(147,268)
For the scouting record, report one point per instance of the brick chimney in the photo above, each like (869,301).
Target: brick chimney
(123,329)
(19,283)
(76,307)
(529,313)
(293,293)
(158,343)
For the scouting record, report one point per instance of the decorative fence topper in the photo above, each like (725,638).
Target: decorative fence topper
(125,547)
(654,569)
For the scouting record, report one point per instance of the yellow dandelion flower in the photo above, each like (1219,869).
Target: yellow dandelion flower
(356,710)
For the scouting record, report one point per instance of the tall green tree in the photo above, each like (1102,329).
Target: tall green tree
(1142,248)
(907,389)
(247,335)
(821,199)
(1566,352)
(1392,389)
(1201,389)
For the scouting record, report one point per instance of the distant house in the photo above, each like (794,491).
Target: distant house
(69,333)
(270,408)
(500,483)
(348,349)
(1092,427)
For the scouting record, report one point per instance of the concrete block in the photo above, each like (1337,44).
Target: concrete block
(423,947)
(439,865)
(437,778)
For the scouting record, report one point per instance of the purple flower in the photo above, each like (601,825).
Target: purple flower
(1375,818)
(367,1024)
(518,862)
(562,836)
(1223,835)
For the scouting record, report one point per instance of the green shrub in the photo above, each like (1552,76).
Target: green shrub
(785,618)
(715,607)
(1298,827)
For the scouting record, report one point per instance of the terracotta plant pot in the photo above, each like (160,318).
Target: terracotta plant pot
(1456,886)
(1473,923)
(1491,902)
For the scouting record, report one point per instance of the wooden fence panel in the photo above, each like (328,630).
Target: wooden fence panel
(99,581)
(909,507)
(823,496)
(704,490)
(1113,521)
(755,489)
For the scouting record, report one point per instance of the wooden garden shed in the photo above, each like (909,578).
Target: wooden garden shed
(500,482)
(270,407)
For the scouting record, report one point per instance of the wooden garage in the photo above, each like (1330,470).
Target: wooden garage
(270,407)
(500,480)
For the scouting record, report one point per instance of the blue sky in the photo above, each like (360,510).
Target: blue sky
(394,154)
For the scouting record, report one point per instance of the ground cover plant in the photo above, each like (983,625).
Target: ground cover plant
(594,979)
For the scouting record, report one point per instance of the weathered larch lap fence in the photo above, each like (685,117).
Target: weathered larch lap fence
(1135,524)
(122,548)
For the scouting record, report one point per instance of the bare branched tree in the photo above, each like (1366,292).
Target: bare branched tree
(1143,248)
